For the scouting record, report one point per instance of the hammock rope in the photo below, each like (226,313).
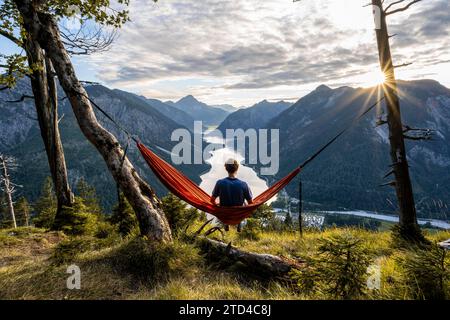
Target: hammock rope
(184,188)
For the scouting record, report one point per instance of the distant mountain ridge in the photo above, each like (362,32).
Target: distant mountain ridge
(255,117)
(211,116)
(177,115)
(227,107)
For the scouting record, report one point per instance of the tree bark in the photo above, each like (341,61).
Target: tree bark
(152,221)
(407,211)
(8,190)
(45,96)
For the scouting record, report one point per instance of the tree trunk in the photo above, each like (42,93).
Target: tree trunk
(45,96)
(8,191)
(152,221)
(407,214)
(265,266)
(27,218)
(61,180)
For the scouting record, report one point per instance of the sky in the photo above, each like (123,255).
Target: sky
(243,51)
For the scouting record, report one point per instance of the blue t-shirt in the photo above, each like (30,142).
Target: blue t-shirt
(232,192)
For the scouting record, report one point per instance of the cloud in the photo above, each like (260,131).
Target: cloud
(250,44)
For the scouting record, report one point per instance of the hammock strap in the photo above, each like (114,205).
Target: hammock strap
(110,118)
(329,143)
(122,128)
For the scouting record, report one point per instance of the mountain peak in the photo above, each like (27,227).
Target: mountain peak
(322,87)
(188,98)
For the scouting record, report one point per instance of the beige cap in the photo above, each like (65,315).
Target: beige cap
(230,161)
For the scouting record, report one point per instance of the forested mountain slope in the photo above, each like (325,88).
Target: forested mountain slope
(349,174)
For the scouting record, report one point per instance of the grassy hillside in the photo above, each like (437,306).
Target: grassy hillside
(33,265)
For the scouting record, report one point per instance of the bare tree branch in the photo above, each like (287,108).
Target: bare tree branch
(214,229)
(388,184)
(203,226)
(393,4)
(388,174)
(402,8)
(89,82)
(417,138)
(403,65)
(87,40)
(408,129)
(11,37)
(21,99)
(417,133)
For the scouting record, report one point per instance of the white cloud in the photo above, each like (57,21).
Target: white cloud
(241,51)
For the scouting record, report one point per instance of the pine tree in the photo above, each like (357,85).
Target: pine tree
(288,220)
(124,217)
(89,195)
(338,268)
(46,206)
(22,210)
(265,214)
(177,212)
(76,220)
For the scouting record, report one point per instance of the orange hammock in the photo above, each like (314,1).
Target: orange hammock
(185,189)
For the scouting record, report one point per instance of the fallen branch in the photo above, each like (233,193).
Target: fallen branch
(266,266)
(203,226)
(214,229)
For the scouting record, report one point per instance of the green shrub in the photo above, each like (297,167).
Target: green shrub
(338,269)
(105,230)
(178,214)
(124,218)
(288,221)
(45,206)
(45,218)
(265,214)
(340,221)
(22,211)
(89,196)
(426,272)
(405,237)
(251,230)
(76,220)
(151,263)
(67,250)
(276,224)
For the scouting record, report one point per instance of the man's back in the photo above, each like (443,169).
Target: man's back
(232,192)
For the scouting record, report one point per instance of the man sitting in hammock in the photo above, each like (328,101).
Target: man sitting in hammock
(231,191)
